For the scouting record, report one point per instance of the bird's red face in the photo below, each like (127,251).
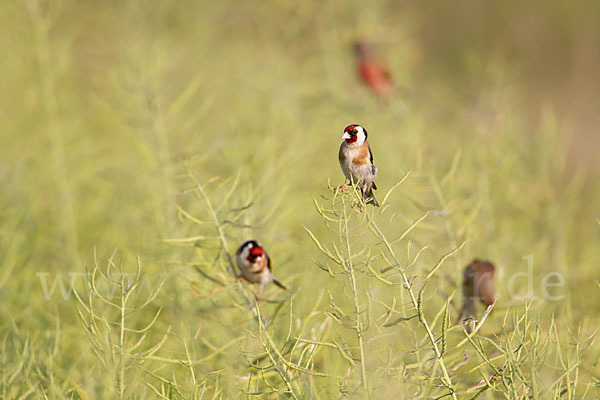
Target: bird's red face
(354,134)
(254,253)
(350,133)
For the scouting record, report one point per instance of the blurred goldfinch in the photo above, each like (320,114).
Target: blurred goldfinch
(356,160)
(478,285)
(255,265)
(373,70)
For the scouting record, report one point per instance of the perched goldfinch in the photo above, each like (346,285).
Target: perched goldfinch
(356,160)
(255,265)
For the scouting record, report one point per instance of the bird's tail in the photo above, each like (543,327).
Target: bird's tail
(281,285)
(371,197)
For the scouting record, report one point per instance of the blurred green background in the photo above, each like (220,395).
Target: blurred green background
(106,107)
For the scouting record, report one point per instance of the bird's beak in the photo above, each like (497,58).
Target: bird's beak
(346,135)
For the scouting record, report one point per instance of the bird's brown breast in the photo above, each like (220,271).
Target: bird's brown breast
(261,266)
(361,155)
(478,281)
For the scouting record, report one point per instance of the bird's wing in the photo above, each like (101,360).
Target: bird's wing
(269,265)
(373,167)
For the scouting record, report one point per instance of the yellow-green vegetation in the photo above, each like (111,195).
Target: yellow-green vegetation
(142,142)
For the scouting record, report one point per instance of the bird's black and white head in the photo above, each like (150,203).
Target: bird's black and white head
(354,134)
(251,251)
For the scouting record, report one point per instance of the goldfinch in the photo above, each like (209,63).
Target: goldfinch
(255,265)
(356,160)
(373,70)
(478,285)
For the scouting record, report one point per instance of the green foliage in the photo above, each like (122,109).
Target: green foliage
(174,131)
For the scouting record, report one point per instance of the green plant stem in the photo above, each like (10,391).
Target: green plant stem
(166,164)
(122,342)
(446,381)
(357,324)
(200,190)
(49,96)
(270,345)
